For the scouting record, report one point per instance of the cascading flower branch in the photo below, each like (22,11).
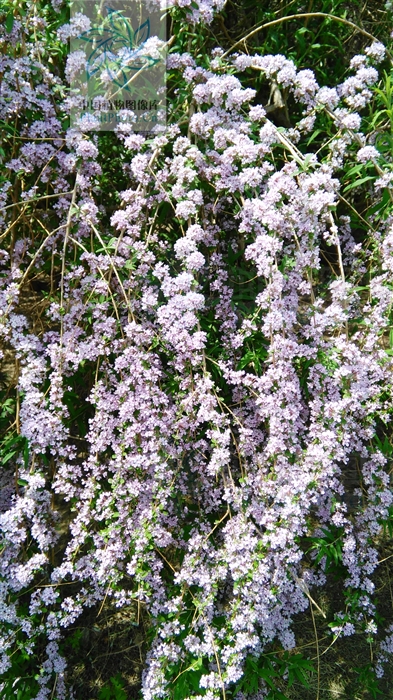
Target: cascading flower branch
(198,381)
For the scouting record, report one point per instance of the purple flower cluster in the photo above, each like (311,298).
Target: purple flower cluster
(218,432)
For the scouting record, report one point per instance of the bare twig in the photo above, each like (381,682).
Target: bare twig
(300,15)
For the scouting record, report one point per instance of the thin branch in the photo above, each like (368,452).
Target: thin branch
(301,15)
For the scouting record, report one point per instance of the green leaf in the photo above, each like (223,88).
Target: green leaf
(267,676)
(26,453)
(9,22)
(355,170)
(359,182)
(314,136)
(301,677)
(181,688)
(9,455)
(276,695)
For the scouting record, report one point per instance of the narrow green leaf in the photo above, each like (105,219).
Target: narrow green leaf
(359,182)
(9,22)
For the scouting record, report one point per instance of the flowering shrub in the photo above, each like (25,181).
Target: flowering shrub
(200,322)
